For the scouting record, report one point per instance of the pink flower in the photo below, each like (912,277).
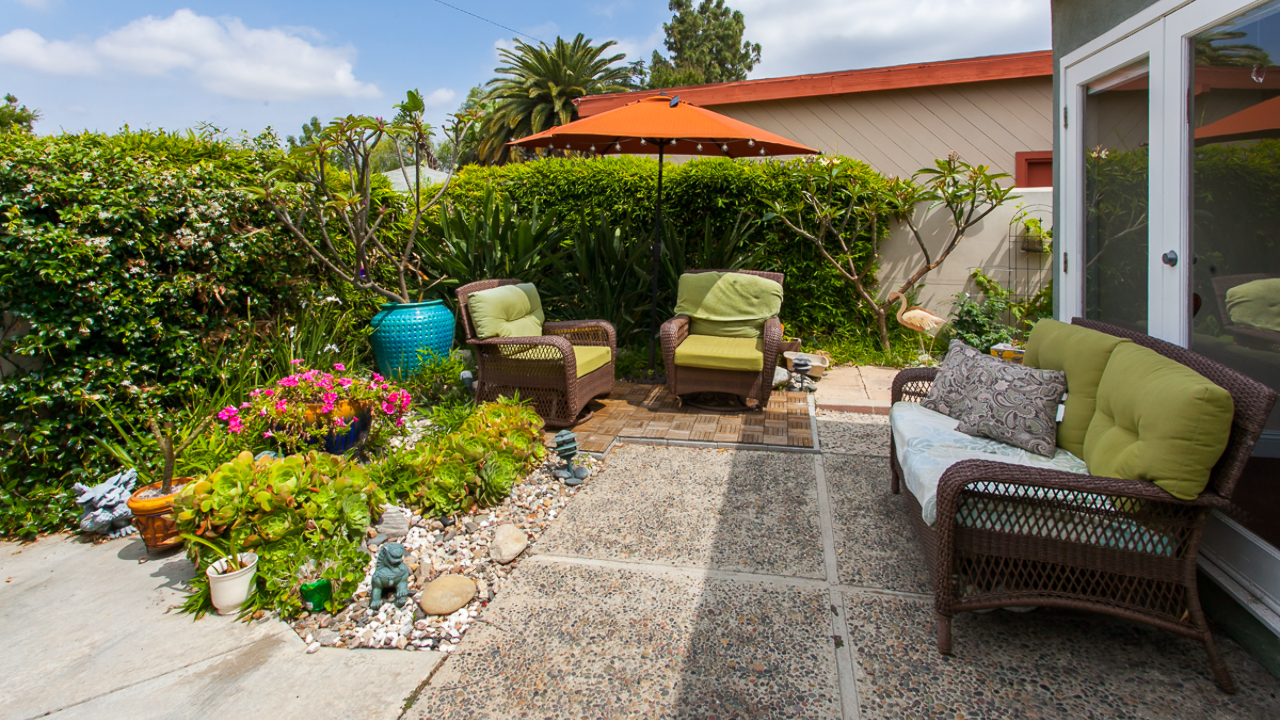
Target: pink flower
(345,382)
(244,405)
(295,362)
(329,398)
(262,412)
(339,422)
(400,422)
(376,377)
(228,413)
(326,409)
(339,367)
(268,434)
(268,393)
(388,408)
(282,405)
(291,381)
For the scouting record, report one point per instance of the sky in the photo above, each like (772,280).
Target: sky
(245,65)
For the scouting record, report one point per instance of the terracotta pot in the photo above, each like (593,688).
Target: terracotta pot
(154,516)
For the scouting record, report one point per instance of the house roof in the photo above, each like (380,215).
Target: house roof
(946,72)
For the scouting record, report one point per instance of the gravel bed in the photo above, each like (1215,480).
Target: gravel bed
(433,550)
(854,433)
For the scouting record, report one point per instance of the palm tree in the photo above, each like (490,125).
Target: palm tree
(536,87)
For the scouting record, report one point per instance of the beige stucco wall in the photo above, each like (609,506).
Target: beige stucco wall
(900,131)
(987,246)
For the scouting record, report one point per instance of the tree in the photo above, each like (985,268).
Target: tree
(705,45)
(15,117)
(1217,48)
(354,232)
(537,85)
(846,218)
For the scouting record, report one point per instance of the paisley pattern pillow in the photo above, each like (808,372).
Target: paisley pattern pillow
(947,394)
(1011,403)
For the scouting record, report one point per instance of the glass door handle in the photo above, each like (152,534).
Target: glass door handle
(1170,258)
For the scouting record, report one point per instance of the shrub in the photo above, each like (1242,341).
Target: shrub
(700,196)
(125,260)
(476,464)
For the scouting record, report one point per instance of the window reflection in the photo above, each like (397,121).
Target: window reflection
(1236,195)
(1116,132)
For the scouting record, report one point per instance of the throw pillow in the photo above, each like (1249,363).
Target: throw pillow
(1013,404)
(947,395)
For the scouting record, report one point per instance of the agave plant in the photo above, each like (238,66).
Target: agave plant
(536,87)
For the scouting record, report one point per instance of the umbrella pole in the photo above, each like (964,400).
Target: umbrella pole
(657,233)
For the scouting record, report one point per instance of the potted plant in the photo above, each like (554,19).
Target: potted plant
(310,406)
(230,577)
(152,504)
(366,234)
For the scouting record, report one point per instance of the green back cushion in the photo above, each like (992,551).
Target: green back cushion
(1157,420)
(1082,354)
(507,311)
(1255,304)
(727,304)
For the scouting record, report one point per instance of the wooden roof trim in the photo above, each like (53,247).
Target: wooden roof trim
(947,72)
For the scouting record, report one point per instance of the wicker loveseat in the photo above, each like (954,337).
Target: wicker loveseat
(736,365)
(561,370)
(1006,534)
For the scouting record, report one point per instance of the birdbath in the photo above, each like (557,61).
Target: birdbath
(567,448)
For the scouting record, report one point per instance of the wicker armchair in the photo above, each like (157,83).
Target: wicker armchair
(1024,560)
(543,368)
(751,385)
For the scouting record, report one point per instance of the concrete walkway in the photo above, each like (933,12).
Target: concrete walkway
(88,632)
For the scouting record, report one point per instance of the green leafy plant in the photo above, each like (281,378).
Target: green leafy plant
(476,464)
(302,510)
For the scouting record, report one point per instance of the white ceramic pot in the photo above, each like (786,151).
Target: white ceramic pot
(231,590)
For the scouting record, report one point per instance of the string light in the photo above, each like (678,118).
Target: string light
(593,148)
(762,151)
(699,147)
(617,146)
(751,143)
(725,148)
(642,142)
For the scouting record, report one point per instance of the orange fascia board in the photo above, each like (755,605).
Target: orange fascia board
(948,72)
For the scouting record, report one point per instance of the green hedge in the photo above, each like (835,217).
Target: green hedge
(818,301)
(126,261)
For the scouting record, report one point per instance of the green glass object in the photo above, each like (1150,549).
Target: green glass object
(315,595)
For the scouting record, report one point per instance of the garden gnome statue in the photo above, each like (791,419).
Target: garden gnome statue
(567,449)
(104,508)
(390,573)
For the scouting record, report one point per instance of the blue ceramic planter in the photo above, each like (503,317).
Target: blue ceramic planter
(407,336)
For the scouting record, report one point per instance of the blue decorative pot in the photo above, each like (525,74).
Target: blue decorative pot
(407,336)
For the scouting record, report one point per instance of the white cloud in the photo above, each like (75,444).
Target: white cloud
(826,35)
(437,98)
(36,4)
(221,54)
(636,49)
(27,49)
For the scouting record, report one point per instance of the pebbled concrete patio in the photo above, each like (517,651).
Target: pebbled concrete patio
(700,583)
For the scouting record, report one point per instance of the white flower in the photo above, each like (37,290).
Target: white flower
(330,348)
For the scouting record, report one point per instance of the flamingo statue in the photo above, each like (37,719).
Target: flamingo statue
(916,318)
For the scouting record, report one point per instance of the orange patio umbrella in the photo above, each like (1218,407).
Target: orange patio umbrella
(670,126)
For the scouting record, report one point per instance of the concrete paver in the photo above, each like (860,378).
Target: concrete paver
(567,641)
(856,388)
(88,630)
(749,511)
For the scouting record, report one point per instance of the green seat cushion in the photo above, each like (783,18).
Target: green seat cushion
(1255,304)
(1082,354)
(507,311)
(590,358)
(721,353)
(1157,420)
(727,304)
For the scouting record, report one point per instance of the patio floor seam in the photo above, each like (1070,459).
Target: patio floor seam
(846,660)
(715,574)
